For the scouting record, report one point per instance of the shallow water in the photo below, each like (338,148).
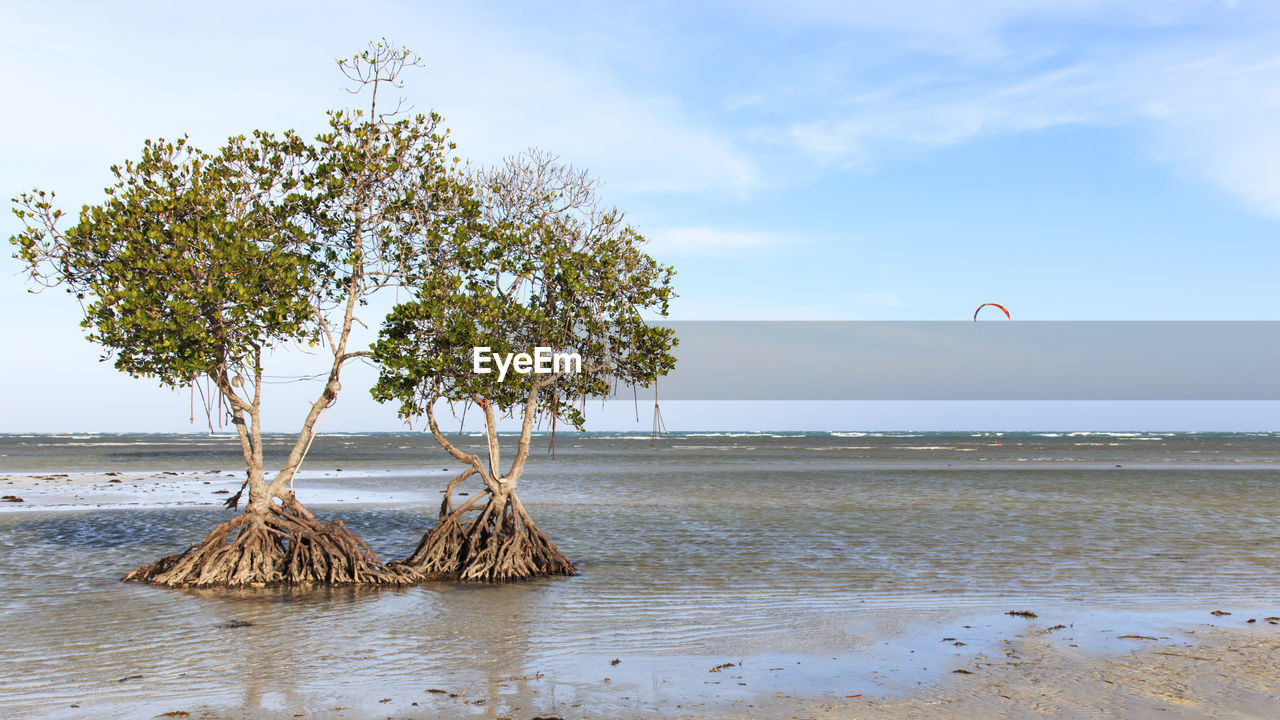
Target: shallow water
(707,549)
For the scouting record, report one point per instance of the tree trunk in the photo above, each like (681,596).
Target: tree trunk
(276,540)
(501,543)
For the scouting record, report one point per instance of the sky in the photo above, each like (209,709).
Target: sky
(898,160)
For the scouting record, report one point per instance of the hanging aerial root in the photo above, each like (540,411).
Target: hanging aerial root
(286,546)
(499,545)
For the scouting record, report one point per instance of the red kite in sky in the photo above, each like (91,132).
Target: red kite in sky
(994,305)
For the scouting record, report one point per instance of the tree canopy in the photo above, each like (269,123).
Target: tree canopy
(547,266)
(192,263)
(198,264)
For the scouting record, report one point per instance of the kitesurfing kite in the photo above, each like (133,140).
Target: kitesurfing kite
(994,305)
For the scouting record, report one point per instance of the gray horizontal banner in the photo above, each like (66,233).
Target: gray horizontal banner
(985,360)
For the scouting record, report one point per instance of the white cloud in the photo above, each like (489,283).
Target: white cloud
(949,111)
(502,88)
(516,92)
(703,241)
(1210,108)
(1219,117)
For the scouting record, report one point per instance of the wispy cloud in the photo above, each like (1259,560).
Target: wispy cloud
(719,116)
(951,110)
(1208,101)
(502,86)
(705,241)
(547,94)
(1220,116)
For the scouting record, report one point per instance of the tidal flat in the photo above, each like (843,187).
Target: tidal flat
(728,574)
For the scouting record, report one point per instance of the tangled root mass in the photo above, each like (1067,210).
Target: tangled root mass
(500,545)
(285,546)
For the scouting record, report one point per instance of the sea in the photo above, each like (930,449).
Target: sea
(809,561)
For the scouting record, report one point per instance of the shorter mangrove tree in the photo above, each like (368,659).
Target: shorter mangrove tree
(549,271)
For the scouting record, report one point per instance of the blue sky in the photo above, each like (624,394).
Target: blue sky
(1073,160)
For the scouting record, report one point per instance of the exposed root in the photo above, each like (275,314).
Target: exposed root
(286,546)
(500,545)
(440,551)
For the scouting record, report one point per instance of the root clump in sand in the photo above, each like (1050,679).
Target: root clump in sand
(500,544)
(285,545)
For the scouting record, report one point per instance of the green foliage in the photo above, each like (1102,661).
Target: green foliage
(387,195)
(192,262)
(546,266)
(197,263)
(386,198)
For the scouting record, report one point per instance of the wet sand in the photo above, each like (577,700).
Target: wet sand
(1211,672)
(958,663)
(173,488)
(1223,673)
(1225,668)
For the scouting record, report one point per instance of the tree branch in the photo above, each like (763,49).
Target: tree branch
(468,458)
